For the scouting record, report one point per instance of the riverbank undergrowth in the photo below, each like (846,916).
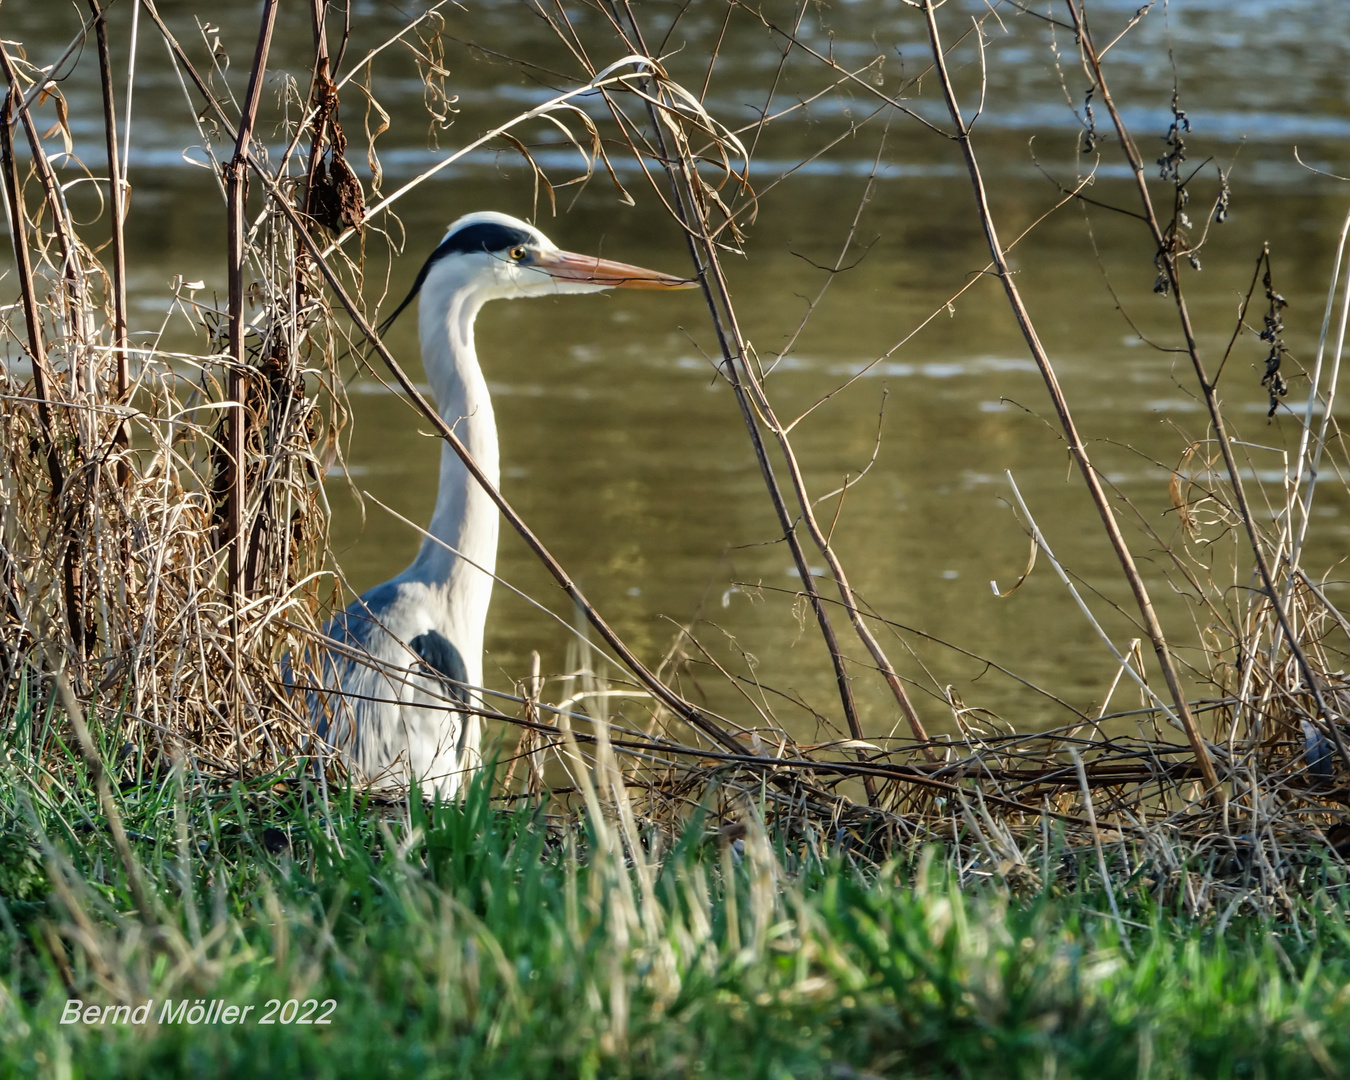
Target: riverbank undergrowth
(472,940)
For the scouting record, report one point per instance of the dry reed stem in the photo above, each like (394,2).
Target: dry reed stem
(1065,417)
(143,607)
(1168,253)
(692,206)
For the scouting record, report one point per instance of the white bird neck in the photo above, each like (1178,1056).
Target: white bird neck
(465,518)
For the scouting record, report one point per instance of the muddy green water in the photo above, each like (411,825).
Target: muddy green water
(628,455)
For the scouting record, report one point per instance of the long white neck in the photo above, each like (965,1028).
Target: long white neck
(457,560)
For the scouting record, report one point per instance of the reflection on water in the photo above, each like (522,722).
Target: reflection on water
(628,456)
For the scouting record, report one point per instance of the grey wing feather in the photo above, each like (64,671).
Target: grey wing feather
(439,653)
(389,712)
(354,628)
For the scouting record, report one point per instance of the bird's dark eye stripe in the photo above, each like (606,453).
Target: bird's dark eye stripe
(481,237)
(484,236)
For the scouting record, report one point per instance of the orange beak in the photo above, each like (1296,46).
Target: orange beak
(566,266)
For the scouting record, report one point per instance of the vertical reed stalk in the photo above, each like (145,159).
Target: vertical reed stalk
(1167,252)
(117,196)
(43,381)
(1061,406)
(321,81)
(753,400)
(236,195)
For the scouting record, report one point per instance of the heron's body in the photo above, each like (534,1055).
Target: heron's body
(407,657)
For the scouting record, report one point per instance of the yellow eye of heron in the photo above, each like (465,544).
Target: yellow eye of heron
(517,254)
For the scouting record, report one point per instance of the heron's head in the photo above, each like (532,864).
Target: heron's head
(499,257)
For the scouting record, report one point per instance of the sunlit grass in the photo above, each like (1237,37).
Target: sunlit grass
(465,940)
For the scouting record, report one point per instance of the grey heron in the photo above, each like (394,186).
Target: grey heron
(405,660)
